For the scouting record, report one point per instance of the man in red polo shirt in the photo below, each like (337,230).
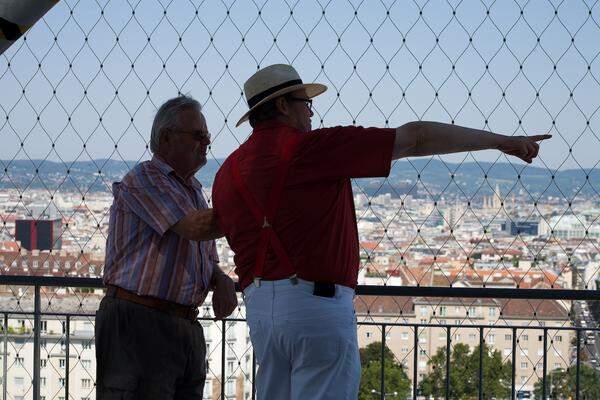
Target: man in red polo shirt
(284,201)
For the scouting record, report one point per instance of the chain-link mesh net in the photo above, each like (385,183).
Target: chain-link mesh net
(80,88)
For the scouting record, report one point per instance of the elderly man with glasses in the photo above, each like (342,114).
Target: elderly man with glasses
(161,261)
(284,201)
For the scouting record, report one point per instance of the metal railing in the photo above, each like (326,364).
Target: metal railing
(38,282)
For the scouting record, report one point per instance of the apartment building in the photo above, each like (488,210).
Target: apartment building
(73,367)
(460,314)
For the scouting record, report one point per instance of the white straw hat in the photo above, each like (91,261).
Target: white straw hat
(273,81)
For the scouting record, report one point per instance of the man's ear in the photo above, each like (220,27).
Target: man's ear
(165,138)
(282,105)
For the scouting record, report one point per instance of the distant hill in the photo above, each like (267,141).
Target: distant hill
(416,176)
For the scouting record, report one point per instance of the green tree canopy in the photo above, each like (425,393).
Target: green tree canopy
(560,383)
(464,374)
(396,379)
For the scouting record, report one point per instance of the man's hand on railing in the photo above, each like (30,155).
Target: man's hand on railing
(224,299)
(524,147)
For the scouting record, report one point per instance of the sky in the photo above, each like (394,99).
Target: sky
(512,67)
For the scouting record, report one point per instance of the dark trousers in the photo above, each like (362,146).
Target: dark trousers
(146,354)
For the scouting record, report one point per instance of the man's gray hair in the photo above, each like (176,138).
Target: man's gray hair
(167,117)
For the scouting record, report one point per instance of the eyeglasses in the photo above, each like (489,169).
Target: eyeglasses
(307,102)
(196,135)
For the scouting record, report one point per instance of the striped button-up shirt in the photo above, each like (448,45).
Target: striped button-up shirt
(142,254)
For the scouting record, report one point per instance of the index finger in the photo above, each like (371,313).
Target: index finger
(537,138)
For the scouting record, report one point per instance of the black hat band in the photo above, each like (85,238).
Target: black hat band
(263,95)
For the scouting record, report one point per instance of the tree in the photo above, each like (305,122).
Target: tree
(560,383)
(396,379)
(464,374)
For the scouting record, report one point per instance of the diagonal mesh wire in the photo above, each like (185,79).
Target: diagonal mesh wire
(80,88)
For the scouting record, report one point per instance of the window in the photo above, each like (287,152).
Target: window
(369,334)
(87,344)
(61,382)
(472,312)
(472,336)
(404,335)
(404,350)
(540,338)
(43,363)
(457,336)
(422,352)
(423,311)
(86,363)
(86,383)
(62,362)
(230,366)
(19,361)
(43,326)
(492,312)
(558,338)
(556,365)
(42,381)
(442,311)
(19,381)
(508,337)
(524,365)
(491,338)
(525,337)
(230,387)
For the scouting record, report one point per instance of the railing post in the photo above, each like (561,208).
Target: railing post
(382,372)
(415,351)
(253,375)
(447,362)
(544,366)
(223,379)
(67,354)
(481,363)
(578,333)
(514,364)
(4,360)
(36,342)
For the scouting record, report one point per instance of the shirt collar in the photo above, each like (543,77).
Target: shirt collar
(162,165)
(166,169)
(271,125)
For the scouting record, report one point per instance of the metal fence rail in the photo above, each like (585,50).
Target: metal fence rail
(39,282)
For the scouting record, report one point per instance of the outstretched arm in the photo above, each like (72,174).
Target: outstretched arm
(423,138)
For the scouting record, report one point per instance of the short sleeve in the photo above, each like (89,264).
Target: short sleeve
(160,207)
(345,152)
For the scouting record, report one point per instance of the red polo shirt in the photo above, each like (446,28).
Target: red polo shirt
(315,221)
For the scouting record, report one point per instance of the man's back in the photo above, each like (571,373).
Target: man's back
(315,221)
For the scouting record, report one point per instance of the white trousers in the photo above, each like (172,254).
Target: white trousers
(305,345)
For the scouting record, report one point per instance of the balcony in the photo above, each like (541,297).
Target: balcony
(479,274)
(511,356)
